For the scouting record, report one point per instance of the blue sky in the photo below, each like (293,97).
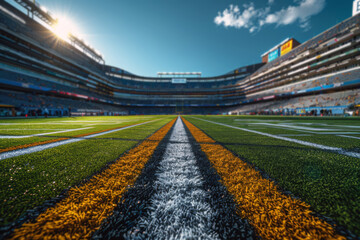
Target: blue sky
(211,36)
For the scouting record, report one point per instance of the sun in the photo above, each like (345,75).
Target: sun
(63,28)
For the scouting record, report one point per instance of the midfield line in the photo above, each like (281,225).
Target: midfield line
(310,144)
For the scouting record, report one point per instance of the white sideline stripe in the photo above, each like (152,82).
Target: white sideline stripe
(34,129)
(41,134)
(260,120)
(39,148)
(336,133)
(347,126)
(44,123)
(114,122)
(178,208)
(321,133)
(315,145)
(296,127)
(294,135)
(349,136)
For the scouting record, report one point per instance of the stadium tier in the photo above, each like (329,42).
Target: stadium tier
(62,79)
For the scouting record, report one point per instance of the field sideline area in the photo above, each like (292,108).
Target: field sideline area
(277,176)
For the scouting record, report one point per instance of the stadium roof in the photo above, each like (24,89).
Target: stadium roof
(42,13)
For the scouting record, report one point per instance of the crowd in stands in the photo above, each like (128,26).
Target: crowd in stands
(38,58)
(162,85)
(335,79)
(306,105)
(27,104)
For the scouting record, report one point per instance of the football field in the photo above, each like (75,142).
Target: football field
(209,177)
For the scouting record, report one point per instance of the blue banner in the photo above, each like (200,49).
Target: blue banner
(274,55)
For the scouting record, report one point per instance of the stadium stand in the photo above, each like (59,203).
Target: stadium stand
(335,103)
(39,71)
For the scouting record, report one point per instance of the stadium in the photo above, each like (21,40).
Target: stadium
(91,151)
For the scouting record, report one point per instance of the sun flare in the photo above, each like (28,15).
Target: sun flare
(63,28)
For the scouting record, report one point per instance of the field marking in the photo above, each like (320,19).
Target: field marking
(44,123)
(312,132)
(279,127)
(117,121)
(305,143)
(347,126)
(328,125)
(294,135)
(179,200)
(260,120)
(336,133)
(349,136)
(102,124)
(41,134)
(35,129)
(260,196)
(39,148)
(295,127)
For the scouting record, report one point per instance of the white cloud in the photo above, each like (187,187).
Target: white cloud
(253,19)
(233,17)
(301,13)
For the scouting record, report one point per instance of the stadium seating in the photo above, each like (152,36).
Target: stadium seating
(35,105)
(37,65)
(336,102)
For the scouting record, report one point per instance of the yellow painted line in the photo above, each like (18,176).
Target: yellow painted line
(84,208)
(273,214)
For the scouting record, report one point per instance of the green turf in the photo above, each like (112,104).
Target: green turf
(94,124)
(329,182)
(29,180)
(349,144)
(316,137)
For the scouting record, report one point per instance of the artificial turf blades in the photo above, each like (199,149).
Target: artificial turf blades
(328,181)
(273,214)
(148,208)
(83,209)
(30,180)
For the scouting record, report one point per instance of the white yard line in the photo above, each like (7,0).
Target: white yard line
(347,126)
(14,137)
(310,144)
(39,148)
(294,135)
(337,133)
(178,207)
(295,127)
(349,136)
(35,129)
(260,120)
(312,132)
(44,123)
(114,122)
(41,134)
(330,125)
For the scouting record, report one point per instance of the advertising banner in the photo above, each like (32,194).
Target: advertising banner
(273,55)
(286,47)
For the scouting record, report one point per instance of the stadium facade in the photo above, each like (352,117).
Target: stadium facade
(42,74)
